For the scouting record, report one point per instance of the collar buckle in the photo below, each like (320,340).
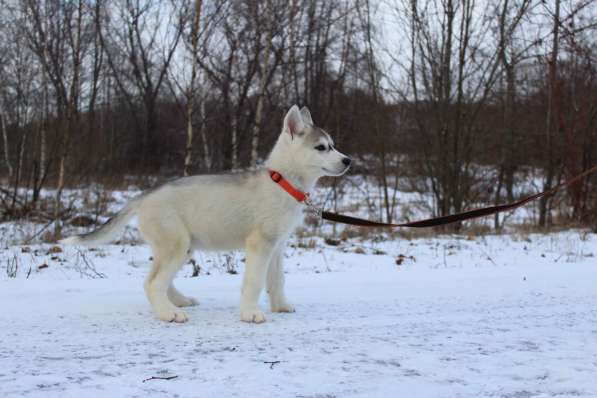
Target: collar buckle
(275,176)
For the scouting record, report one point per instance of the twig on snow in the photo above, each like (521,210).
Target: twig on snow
(271,363)
(160,378)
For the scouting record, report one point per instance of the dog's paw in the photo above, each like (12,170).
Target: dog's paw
(183,301)
(192,301)
(173,315)
(283,307)
(252,316)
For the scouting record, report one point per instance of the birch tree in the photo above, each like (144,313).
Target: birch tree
(188,160)
(264,72)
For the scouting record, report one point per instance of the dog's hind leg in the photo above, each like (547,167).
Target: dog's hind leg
(275,284)
(179,299)
(170,243)
(259,252)
(176,297)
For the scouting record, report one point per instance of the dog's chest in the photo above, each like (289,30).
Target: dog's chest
(283,221)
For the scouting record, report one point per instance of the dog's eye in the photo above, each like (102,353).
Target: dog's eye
(320,147)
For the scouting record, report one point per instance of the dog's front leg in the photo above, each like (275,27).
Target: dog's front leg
(275,284)
(259,250)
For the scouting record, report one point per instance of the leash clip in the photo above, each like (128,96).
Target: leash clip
(312,207)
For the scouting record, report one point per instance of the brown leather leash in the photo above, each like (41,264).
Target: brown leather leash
(430,222)
(452,218)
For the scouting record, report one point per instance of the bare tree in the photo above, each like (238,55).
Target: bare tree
(140,43)
(190,88)
(383,140)
(509,16)
(452,68)
(56,34)
(18,98)
(5,140)
(191,91)
(264,72)
(231,69)
(3,82)
(550,124)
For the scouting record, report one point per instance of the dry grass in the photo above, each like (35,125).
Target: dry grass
(12,266)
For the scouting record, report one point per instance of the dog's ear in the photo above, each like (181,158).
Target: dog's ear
(293,122)
(306,115)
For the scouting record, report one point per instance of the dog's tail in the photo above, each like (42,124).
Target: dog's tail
(107,231)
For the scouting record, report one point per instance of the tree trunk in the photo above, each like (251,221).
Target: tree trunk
(262,87)
(206,152)
(18,171)
(188,160)
(45,112)
(63,152)
(6,149)
(509,161)
(549,125)
(234,143)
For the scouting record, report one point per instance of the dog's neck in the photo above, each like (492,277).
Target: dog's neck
(300,181)
(290,171)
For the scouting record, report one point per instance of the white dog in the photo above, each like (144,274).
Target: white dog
(228,212)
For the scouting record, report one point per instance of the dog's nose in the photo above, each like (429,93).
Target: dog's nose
(346,161)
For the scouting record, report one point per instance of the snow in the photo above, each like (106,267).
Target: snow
(492,316)
(378,314)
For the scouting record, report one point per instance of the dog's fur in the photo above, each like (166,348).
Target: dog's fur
(227,212)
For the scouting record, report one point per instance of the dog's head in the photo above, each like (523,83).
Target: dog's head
(311,148)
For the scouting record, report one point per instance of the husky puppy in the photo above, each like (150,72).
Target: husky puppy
(229,212)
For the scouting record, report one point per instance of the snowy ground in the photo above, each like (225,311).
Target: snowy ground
(498,316)
(513,315)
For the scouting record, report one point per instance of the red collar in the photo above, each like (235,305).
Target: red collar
(288,187)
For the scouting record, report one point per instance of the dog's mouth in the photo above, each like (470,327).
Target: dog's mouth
(331,173)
